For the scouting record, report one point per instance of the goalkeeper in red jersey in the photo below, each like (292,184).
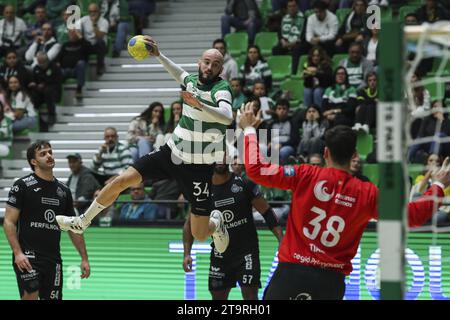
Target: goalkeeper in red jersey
(329,212)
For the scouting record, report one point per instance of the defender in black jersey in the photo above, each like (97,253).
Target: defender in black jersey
(235,196)
(32,231)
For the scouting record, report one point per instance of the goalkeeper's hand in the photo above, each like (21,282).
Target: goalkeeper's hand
(152,46)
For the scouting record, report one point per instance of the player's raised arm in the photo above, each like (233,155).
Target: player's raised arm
(175,70)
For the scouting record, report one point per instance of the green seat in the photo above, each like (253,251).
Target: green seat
(386,14)
(440,68)
(84,4)
(308,13)
(342,13)
(364,144)
(436,89)
(280,66)
(295,89)
(123,197)
(301,66)
(166,114)
(337,58)
(241,60)
(237,43)
(9,2)
(370,170)
(266,41)
(404,10)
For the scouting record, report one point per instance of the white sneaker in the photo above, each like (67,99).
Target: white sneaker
(74,224)
(365,128)
(357,127)
(220,236)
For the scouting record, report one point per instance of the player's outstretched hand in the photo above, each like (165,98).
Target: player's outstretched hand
(248,118)
(443,175)
(85,269)
(187,264)
(150,42)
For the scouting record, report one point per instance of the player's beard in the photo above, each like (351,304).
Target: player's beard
(220,169)
(208,79)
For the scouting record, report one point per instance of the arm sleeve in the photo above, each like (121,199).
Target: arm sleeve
(54,51)
(174,70)
(309,29)
(31,52)
(268,175)
(223,114)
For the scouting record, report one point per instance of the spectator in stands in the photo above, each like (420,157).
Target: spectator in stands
(176,111)
(356,168)
(13,67)
(339,101)
(20,102)
(73,60)
(292,34)
(144,129)
(140,9)
(43,43)
(357,66)
(419,100)
(62,31)
(366,110)
(435,125)
(317,76)
(285,130)
(266,103)
(137,209)
(243,14)
(238,95)
(370,46)
(230,67)
(313,130)
(316,159)
(353,28)
(166,190)
(432,11)
(94,29)
(255,68)
(411,19)
(12,32)
(81,182)
(322,27)
(116,12)
(46,87)
(54,9)
(112,158)
(6,134)
(35,29)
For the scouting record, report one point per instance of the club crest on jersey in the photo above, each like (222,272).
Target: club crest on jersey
(321,192)
(289,171)
(29,181)
(235,188)
(60,192)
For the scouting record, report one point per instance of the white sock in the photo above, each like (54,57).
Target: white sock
(94,209)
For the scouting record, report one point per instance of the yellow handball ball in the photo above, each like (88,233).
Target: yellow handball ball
(137,48)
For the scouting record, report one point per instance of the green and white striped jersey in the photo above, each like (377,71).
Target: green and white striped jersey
(198,137)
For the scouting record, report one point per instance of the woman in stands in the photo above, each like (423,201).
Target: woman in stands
(255,68)
(144,129)
(176,111)
(25,116)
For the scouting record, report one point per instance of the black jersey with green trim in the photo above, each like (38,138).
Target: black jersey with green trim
(234,199)
(39,202)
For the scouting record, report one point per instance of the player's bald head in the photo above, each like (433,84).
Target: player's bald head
(213,55)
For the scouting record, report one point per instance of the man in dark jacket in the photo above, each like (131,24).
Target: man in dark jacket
(432,11)
(81,183)
(241,15)
(46,87)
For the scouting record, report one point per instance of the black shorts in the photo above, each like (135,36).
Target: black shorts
(46,277)
(225,272)
(292,281)
(194,179)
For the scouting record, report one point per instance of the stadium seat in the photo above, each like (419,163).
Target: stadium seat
(364,144)
(342,13)
(9,2)
(438,69)
(370,170)
(386,14)
(308,12)
(241,60)
(84,4)
(301,67)
(295,89)
(123,197)
(266,41)
(436,89)
(414,170)
(280,66)
(237,43)
(337,58)
(403,11)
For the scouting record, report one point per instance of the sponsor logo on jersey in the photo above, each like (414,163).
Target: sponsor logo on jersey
(321,192)
(29,181)
(248,262)
(228,216)
(42,225)
(57,275)
(302,296)
(224,202)
(15,189)
(50,201)
(289,171)
(215,269)
(60,192)
(12,199)
(37,189)
(345,201)
(49,215)
(29,254)
(235,188)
